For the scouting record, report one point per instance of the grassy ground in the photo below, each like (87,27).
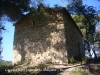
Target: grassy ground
(45,69)
(85,69)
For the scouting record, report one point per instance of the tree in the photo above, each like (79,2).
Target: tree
(79,21)
(90,18)
(13,10)
(1,28)
(97,40)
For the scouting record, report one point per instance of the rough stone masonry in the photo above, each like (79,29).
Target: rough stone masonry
(55,41)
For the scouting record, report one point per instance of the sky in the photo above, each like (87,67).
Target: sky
(8,35)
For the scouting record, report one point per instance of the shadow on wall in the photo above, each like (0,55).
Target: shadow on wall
(40,43)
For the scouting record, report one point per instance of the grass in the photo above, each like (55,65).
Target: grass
(77,59)
(7,63)
(80,71)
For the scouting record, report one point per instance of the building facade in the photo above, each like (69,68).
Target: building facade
(54,41)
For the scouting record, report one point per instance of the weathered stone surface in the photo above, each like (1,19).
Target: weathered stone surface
(54,43)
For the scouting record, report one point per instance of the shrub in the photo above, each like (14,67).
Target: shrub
(80,71)
(4,69)
(41,66)
(23,62)
(84,59)
(77,59)
(72,60)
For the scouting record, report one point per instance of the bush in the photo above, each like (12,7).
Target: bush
(22,62)
(77,59)
(72,60)
(4,69)
(41,66)
(5,63)
(80,71)
(84,59)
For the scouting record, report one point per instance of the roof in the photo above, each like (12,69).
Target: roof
(23,18)
(56,10)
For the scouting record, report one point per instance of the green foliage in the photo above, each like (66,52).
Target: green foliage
(42,16)
(87,15)
(31,67)
(83,31)
(72,60)
(84,59)
(77,59)
(79,71)
(4,69)
(5,63)
(22,62)
(39,15)
(9,70)
(7,8)
(14,9)
(79,19)
(41,66)
(97,36)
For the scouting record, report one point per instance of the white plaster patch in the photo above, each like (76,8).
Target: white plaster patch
(16,57)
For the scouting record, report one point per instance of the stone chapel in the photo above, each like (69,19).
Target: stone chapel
(55,41)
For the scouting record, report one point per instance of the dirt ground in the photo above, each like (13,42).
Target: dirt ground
(85,69)
(77,69)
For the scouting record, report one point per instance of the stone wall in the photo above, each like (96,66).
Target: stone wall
(54,42)
(74,41)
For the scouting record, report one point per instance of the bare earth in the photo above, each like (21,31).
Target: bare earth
(77,69)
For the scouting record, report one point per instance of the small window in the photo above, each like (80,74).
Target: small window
(79,48)
(33,22)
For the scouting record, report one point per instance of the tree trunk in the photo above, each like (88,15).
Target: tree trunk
(93,49)
(90,56)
